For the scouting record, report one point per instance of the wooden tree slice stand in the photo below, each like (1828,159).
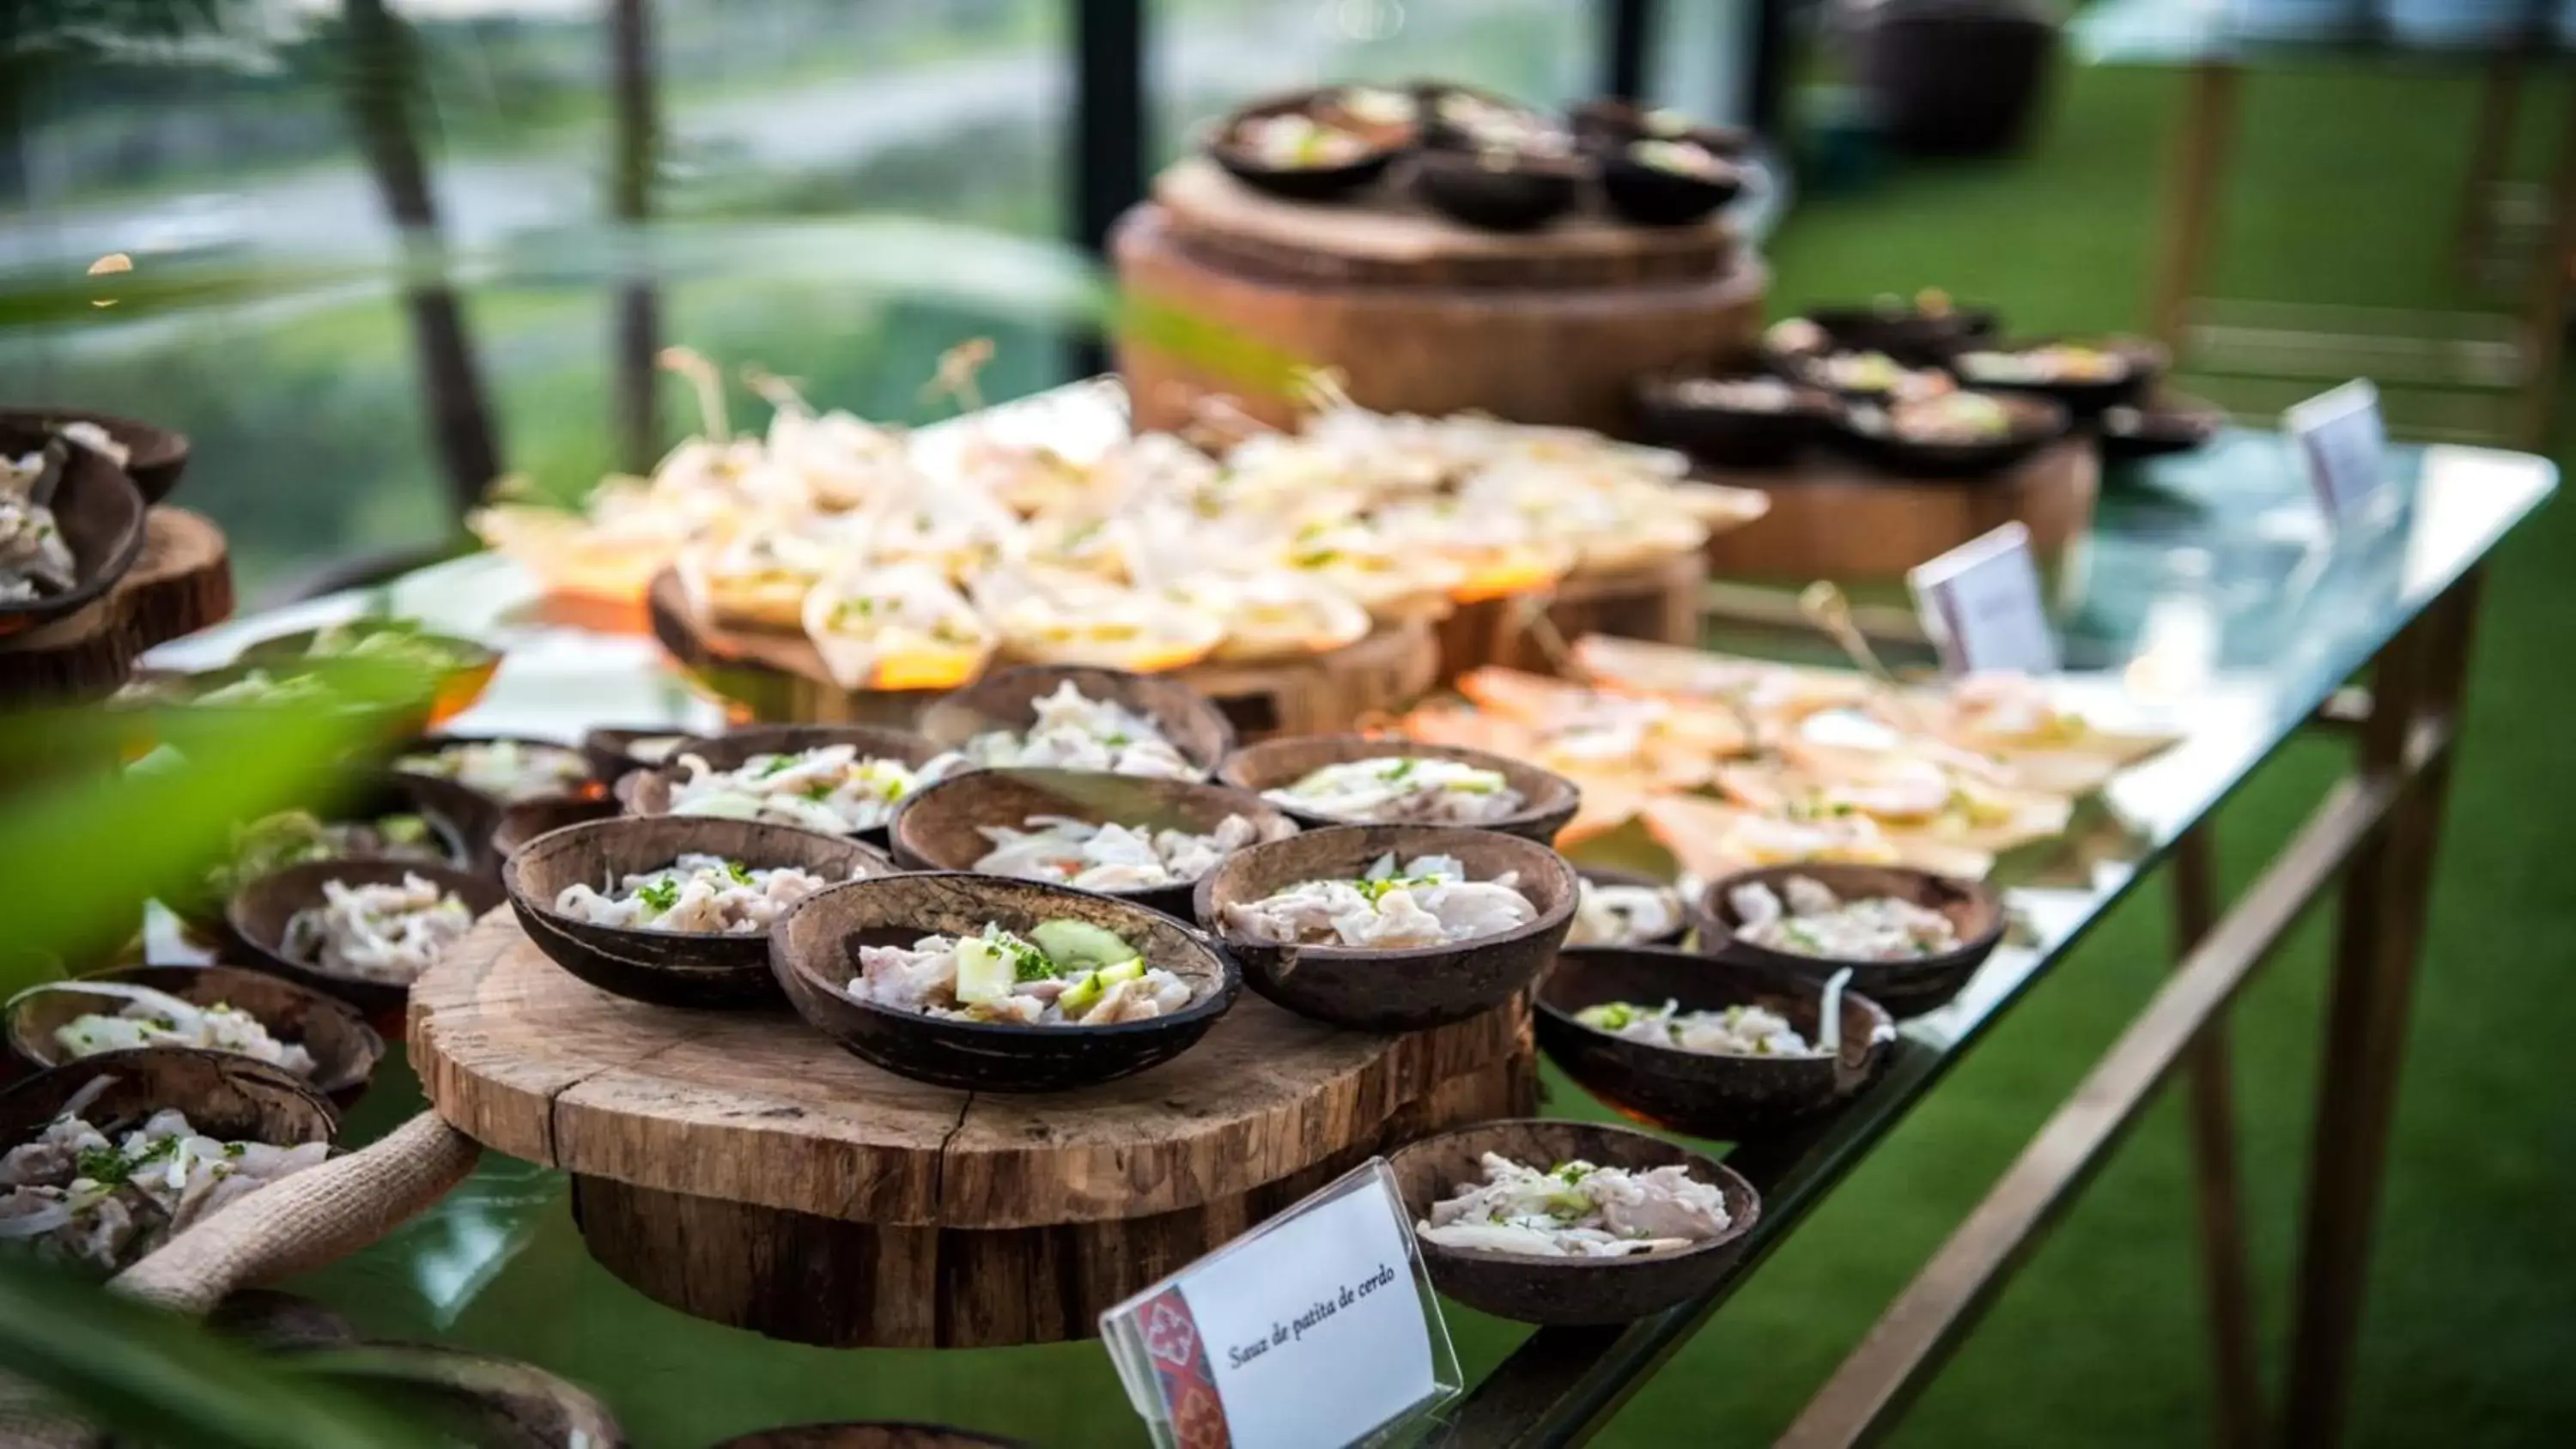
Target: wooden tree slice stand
(1837,519)
(1417,313)
(181,582)
(779,677)
(741,1167)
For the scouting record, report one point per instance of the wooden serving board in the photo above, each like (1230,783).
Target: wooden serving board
(181,582)
(743,1167)
(780,678)
(1381,235)
(1533,352)
(1832,518)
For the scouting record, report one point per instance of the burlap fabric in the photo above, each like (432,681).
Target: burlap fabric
(318,1215)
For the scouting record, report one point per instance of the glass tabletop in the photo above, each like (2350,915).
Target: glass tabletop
(2208,601)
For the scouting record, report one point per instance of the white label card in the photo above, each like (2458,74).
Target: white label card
(1983,605)
(1313,1330)
(2342,440)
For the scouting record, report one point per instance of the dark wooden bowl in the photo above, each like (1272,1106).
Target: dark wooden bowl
(667,968)
(494,1403)
(2036,423)
(1296,183)
(1548,800)
(2083,400)
(1651,196)
(1004,700)
(1532,1289)
(1732,437)
(1392,990)
(461,818)
(1523,194)
(2171,423)
(155,457)
(1605,875)
(814,952)
(529,819)
(1908,334)
(937,828)
(1905,988)
(345,1049)
(1433,131)
(648,792)
(1614,121)
(870,1435)
(100,513)
(260,910)
(610,749)
(225,1096)
(429,743)
(457,688)
(1698,1092)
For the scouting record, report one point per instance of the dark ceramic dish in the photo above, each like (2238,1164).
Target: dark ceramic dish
(1907,333)
(937,829)
(1392,990)
(2172,423)
(2036,423)
(1567,1291)
(344,1048)
(814,951)
(155,457)
(2143,363)
(1652,196)
(433,743)
(648,792)
(1602,875)
(1510,192)
(1548,800)
(667,968)
(1702,1093)
(226,1096)
(871,1435)
(1731,436)
(1905,988)
(260,911)
(1230,149)
(1005,700)
(494,1403)
(99,511)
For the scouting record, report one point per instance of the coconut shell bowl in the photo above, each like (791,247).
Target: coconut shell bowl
(941,828)
(1567,1291)
(667,968)
(1905,988)
(260,911)
(1392,990)
(1548,800)
(155,457)
(225,1095)
(344,1048)
(648,792)
(494,1402)
(98,511)
(1006,699)
(1703,1093)
(814,953)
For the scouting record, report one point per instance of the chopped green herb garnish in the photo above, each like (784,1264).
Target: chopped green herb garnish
(659,895)
(776,764)
(734,868)
(235,1149)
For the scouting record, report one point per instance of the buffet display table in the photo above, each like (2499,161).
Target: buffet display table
(2209,603)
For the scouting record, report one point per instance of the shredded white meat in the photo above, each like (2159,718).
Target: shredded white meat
(1042,979)
(72,1194)
(508,770)
(1096,856)
(1738,1031)
(1623,915)
(1073,731)
(388,933)
(1577,1210)
(35,562)
(697,893)
(152,1018)
(1812,921)
(1428,902)
(1404,790)
(831,788)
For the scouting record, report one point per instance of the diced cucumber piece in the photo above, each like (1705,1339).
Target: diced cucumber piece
(1079,943)
(1082,995)
(1128,970)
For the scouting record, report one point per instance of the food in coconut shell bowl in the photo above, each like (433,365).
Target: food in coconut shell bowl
(1910,938)
(1676,1219)
(988,984)
(1390,927)
(1716,1048)
(1315,145)
(361,930)
(838,779)
(303,1032)
(1366,780)
(673,909)
(1128,836)
(71,524)
(461,668)
(89,1151)
(1080,716)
